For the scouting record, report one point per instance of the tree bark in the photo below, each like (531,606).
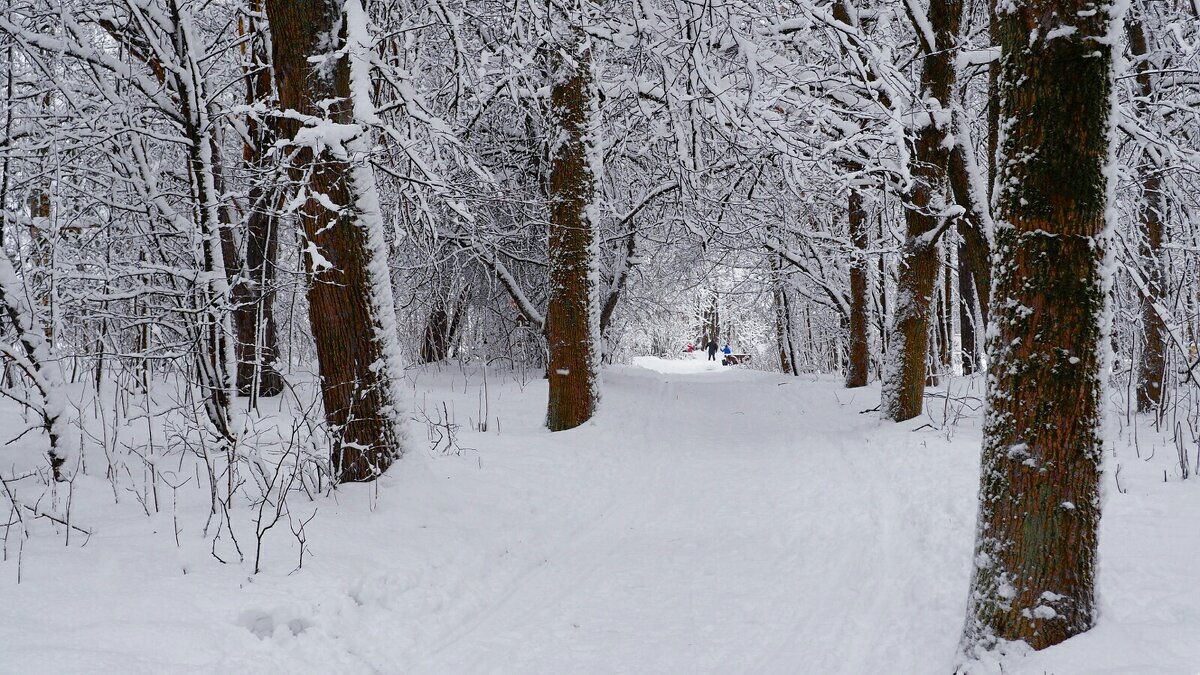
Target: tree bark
(904,383)
(783,327)
(350,299)
(441,328)
(1039,494)
(572,313)
(1152,366)
(858,368)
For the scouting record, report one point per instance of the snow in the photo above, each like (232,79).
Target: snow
(708,519)
(696,362)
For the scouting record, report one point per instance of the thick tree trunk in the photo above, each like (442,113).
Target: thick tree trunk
(573,313)
(1152,366)
(904,383)
(350,299)
(858,368)
(1039,494)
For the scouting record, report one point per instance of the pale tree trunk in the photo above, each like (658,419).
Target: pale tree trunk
(41,234)
(573,312)
(968,183)
(211,325)
(925,204)
(1039,501)
(954,304)
(1152,366)
(350,298)
(32,354)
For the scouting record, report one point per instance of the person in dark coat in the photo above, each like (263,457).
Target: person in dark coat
(712,350)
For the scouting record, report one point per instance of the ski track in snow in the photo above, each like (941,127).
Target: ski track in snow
(709,520)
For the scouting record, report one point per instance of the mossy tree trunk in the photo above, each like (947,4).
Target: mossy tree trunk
(1039,493)
(349,294)
(573,311)
(924,215)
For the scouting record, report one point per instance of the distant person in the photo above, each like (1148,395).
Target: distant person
(712,350)
(691,348)
(726,350)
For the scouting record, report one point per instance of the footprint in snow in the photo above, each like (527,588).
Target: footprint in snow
(267,625)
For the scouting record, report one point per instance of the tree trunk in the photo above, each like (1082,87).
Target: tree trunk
(41,235)
(33,356)
(783,328)
(436,343)
(254,316)
(350,299)
(954,302)
(969,295)
(572,313)
(1039,494)
(210,322)
(858,368)
(904,383)
(1152,366)
(973,251)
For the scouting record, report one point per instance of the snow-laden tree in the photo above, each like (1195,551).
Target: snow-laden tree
(322,52)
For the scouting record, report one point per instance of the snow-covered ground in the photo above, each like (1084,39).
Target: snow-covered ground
(709,519)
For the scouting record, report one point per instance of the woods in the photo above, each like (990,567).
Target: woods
(241,237)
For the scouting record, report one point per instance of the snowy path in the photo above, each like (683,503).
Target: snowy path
(742,531)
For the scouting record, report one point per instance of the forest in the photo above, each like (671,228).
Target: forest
(455,336)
